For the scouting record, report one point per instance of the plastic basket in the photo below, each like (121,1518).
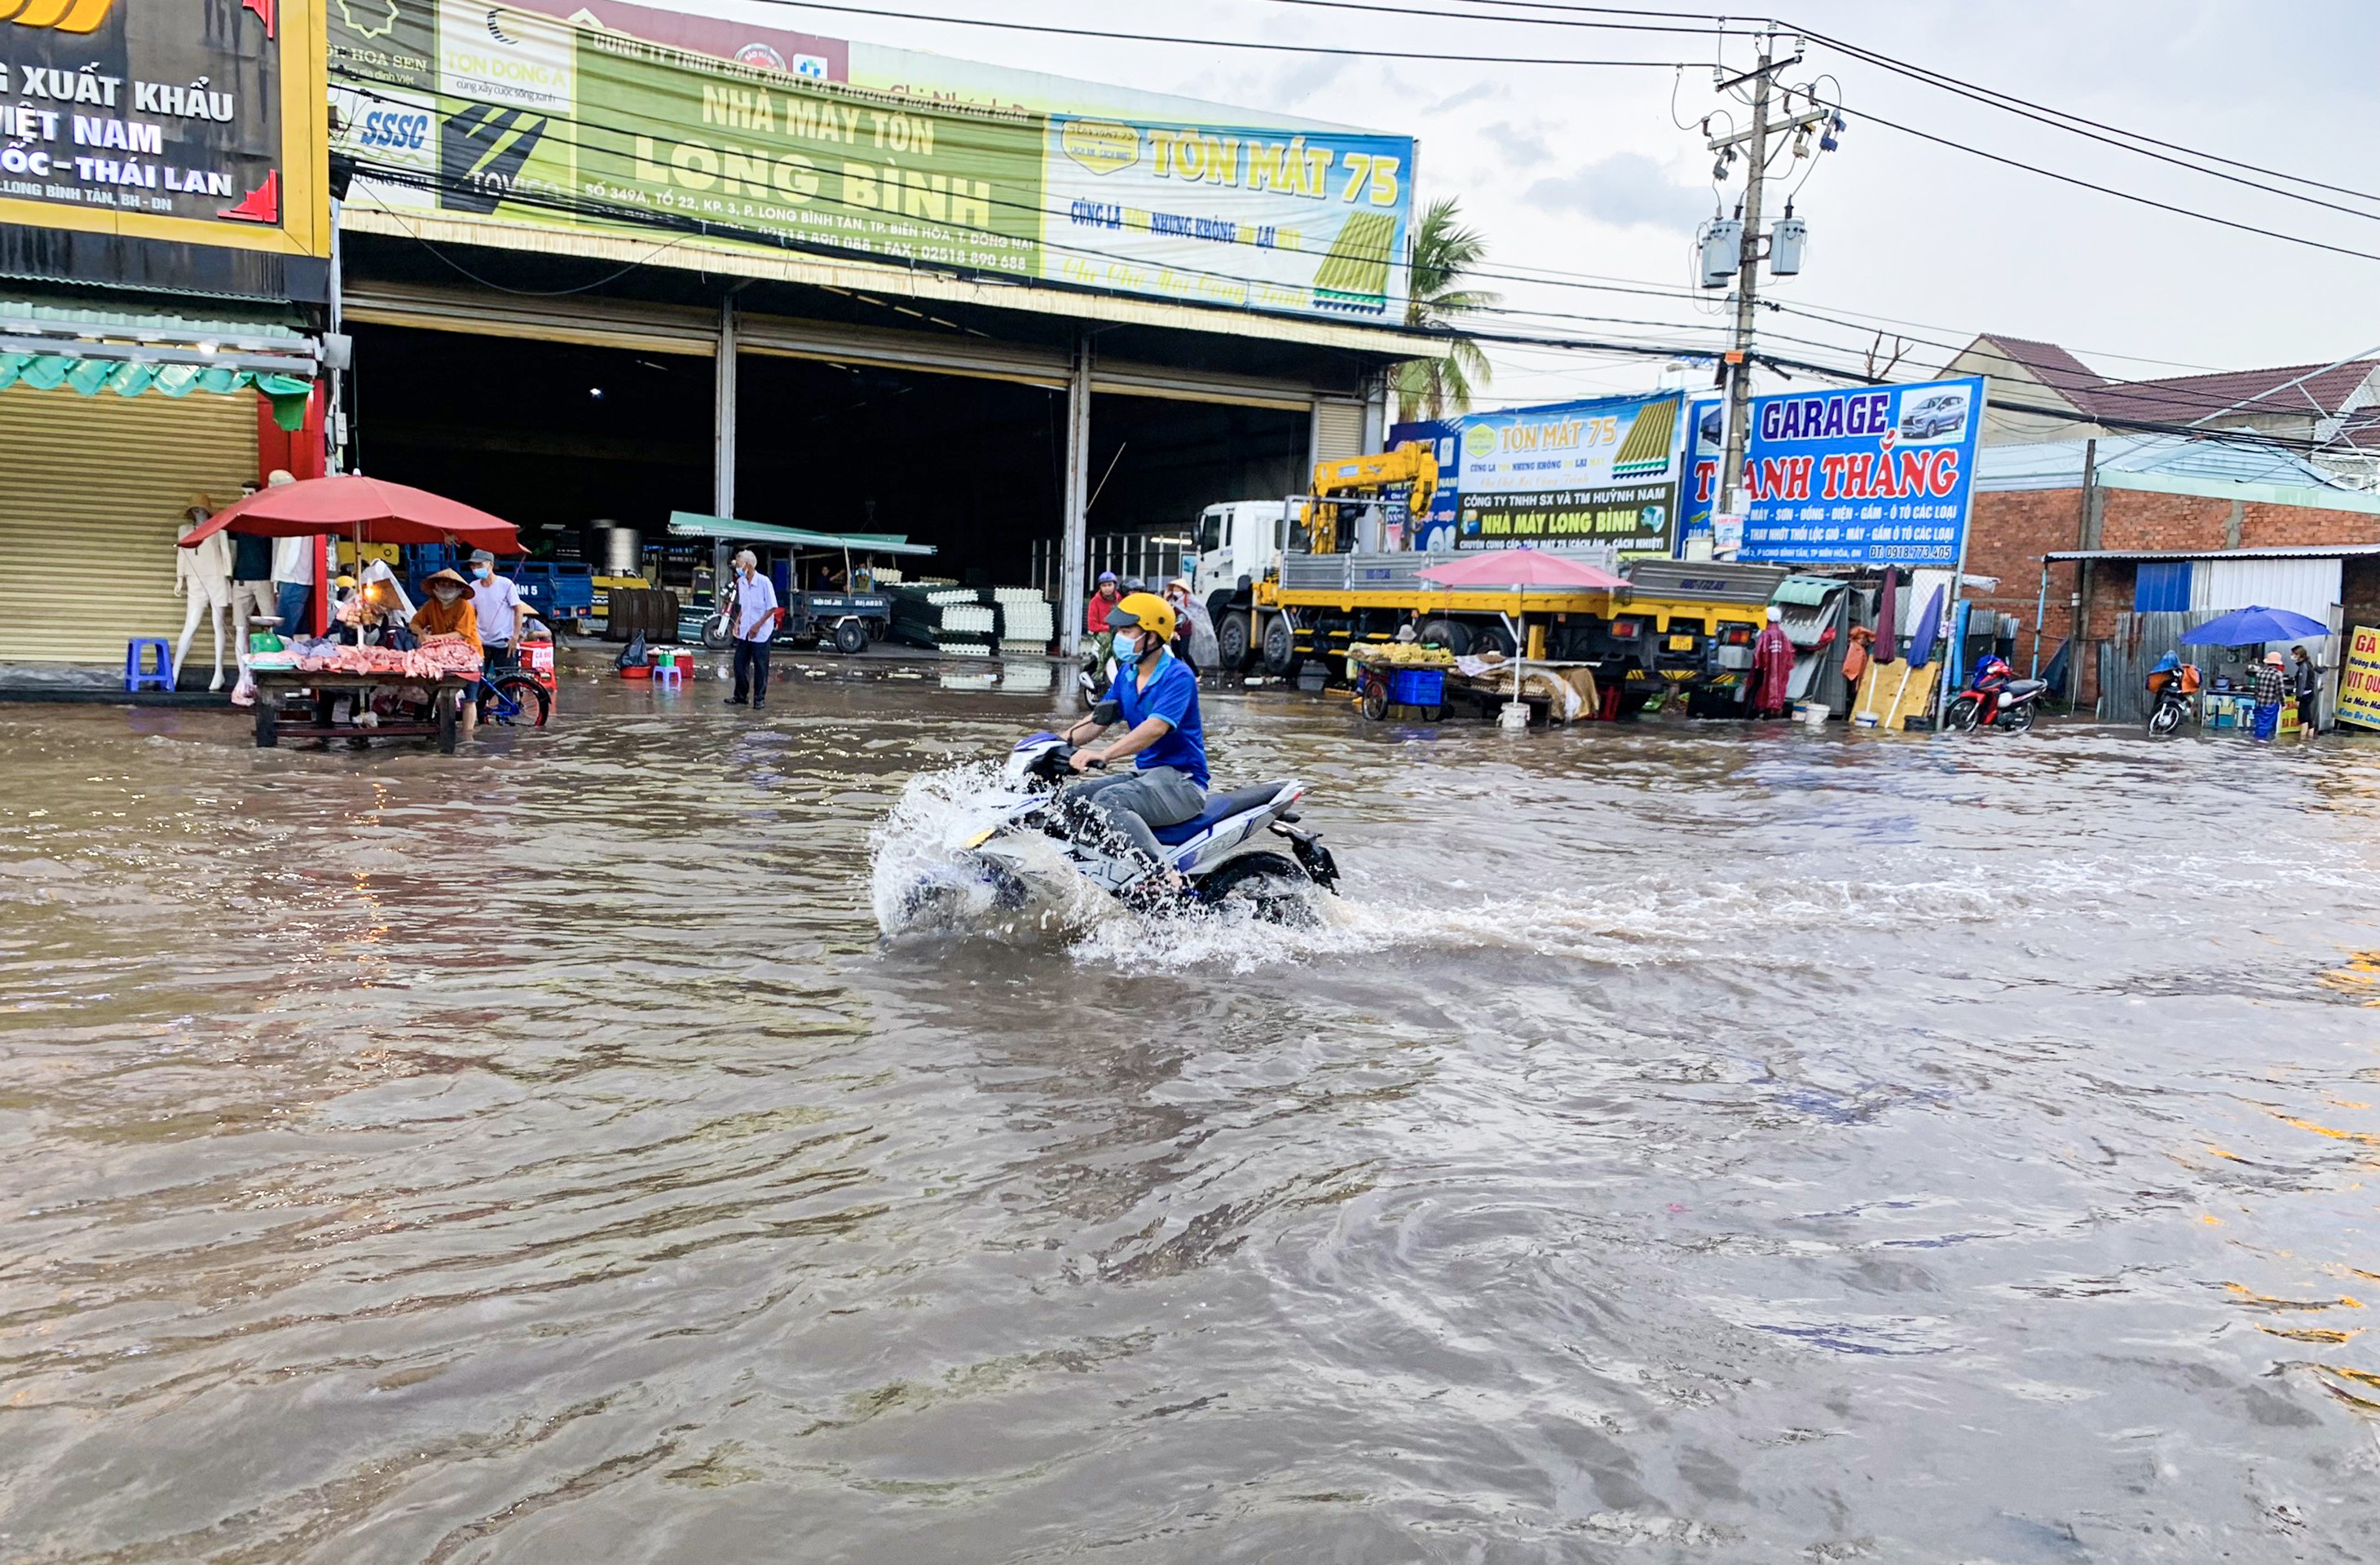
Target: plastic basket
(1417,687)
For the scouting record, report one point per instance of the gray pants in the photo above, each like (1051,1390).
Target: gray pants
(1156,796)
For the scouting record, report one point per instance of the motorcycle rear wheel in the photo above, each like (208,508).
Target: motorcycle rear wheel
(2165,720)
(1272,889)
(2018,718)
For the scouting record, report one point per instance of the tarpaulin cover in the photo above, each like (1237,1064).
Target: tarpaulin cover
(372,510)
(44,371)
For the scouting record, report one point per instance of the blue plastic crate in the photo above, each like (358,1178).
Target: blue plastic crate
(1417,687)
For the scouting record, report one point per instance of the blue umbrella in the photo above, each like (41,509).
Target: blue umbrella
(2251,628)
(1929,625)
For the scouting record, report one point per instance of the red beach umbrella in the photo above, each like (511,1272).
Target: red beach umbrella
(368,510)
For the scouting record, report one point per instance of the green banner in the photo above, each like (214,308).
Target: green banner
(671,133)
(515,115)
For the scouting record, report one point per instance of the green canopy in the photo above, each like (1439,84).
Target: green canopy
(44,371)
(690,524)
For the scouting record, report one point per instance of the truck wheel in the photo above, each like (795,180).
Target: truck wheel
(1231,648)
(1489,639)
(1280,654)
(1450,634)
(851,638)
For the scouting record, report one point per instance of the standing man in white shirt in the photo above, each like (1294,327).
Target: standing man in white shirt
(293,572)
(755,621)
(498,604)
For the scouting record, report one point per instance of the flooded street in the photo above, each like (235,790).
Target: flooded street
(1681,1142)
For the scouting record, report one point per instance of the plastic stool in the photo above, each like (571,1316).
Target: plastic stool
(137,674)
(668,673)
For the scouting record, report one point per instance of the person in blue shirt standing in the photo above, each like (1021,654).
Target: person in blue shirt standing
(1157,697)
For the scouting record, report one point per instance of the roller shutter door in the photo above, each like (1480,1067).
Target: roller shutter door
(1338,429)
(93,495)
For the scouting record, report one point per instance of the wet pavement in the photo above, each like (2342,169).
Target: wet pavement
(1681,1142)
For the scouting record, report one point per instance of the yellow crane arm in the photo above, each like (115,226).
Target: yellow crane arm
(1413,463)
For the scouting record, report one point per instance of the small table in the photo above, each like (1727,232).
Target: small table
(445,704)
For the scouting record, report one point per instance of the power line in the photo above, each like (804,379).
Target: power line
(1871,116)
(2137,143)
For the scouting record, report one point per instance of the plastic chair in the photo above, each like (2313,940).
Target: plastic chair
(138,675)
(671,673)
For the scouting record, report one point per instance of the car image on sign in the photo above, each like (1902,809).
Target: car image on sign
(1944,413)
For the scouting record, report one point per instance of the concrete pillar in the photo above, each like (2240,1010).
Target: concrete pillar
(1076,543)
(723,415)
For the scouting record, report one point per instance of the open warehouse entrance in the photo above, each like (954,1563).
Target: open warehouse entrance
(553,437)
(973,464)
(1158,462)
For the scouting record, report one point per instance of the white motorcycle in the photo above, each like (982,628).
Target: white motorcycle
(1228,855)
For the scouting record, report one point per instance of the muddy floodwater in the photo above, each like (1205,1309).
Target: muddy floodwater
(1679,1143)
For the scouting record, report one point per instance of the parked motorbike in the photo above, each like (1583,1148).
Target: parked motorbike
(2010,707)
(2173,687)
(1229,856)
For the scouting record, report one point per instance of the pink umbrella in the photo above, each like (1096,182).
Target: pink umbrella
(1523,567)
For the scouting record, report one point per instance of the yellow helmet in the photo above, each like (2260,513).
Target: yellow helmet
(1145,611)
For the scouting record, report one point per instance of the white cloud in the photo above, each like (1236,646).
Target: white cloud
(1625,190)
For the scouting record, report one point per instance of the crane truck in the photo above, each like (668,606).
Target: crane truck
(1302,579)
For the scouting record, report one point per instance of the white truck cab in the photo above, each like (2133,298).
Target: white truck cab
(1238,537)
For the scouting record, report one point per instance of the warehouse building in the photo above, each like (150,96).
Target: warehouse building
(594,276)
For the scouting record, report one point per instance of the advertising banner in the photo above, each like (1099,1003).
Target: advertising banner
(2359,679)
(521,115)
(1268,219)
(186,123)
(1705,444)
(1878,475)
(1599,474)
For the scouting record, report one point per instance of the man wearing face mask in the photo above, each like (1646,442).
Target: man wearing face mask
(1157,695)
(498,604)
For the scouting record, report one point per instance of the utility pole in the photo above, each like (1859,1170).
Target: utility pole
(1747,295)
(1755,246)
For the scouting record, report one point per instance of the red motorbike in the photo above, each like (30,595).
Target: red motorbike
(2009,706)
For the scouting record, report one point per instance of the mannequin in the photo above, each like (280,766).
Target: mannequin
(203,576)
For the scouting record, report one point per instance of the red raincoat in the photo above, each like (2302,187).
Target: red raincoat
(1772,670)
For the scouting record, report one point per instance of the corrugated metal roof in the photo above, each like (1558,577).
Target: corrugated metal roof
(2295,552)
(690,524)
(2059,463)
(28,317)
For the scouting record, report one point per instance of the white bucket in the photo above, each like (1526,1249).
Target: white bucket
(1514,716)
(1815,713)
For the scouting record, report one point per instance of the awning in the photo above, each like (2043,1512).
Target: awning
(92,351)
(1807,591)
(689,524)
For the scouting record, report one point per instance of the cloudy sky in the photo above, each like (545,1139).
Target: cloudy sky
(1580,175)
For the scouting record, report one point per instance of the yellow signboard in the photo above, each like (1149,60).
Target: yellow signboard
(2359,679)
(201,124)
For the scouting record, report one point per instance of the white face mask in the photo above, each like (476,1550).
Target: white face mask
(446,594)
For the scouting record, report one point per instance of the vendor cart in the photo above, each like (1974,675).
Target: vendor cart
(447,696)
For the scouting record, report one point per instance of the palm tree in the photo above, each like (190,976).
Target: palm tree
(1444,252)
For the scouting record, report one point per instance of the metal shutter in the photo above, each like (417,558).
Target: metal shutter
(2302,586)
(92,494)
(1338,429)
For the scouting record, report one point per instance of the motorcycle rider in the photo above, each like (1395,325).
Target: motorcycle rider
(1157,695)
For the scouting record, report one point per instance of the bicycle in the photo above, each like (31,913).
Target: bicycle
(512,699)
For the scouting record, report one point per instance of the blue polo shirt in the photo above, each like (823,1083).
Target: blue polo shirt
(1171,692)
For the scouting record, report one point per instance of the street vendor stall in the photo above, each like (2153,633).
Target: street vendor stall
(314,674)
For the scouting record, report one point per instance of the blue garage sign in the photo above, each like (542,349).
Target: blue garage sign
(1880,476)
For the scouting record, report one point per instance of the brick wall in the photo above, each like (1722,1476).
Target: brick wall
(2013,530)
